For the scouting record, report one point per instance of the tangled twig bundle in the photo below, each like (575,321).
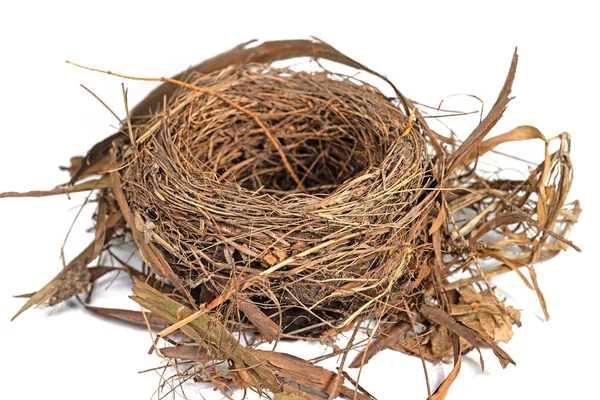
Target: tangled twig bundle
(298,204)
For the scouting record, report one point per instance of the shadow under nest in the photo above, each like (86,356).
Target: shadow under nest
(296,204)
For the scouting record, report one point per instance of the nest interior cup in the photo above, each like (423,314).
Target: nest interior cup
(299,186)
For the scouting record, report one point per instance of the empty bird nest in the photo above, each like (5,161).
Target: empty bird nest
(295,204)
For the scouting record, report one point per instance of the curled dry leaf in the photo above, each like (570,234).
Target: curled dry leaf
(477,311)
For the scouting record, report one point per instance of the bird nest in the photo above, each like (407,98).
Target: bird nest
(304,204)
(298,193)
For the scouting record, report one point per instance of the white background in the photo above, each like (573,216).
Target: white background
(429,50)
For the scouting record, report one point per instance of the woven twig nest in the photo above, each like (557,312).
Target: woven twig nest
(307,204)
(299,204)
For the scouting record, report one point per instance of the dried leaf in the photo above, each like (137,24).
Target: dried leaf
(80,187)
(267,328)
(440,317)
(41,295)
(187,352)
(301,372)
(132,316)
(24,295)
(385,341)
(480,312)
(523,132)
(442,390)
(500,220)
(472,142)
(74,279)
(439,220)
(99,271)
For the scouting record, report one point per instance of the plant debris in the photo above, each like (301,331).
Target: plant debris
(300,204)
